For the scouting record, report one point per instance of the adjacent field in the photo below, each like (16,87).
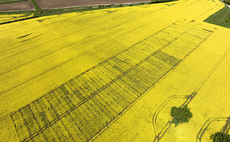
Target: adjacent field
(100,75)
(48,4)
(17,6)
(10,1)
(221,18)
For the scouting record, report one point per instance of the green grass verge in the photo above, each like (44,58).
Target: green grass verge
(220,18)
(37,8)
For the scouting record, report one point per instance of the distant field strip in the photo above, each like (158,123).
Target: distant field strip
(10,1)
(80,108)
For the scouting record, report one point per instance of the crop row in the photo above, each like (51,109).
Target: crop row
(83,106)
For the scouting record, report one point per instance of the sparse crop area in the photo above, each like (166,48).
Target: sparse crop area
(115,74)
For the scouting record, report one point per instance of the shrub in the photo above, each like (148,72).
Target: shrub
(180,114)
(220,137)
(227,1)
(227,20)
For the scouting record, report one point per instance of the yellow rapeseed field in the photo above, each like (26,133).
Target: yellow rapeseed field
(114,74)
(13,17)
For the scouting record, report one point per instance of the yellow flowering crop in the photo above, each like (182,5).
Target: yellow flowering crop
(13,17)
(103,75)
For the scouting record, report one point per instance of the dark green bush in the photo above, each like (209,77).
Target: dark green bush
(180,114)
(220,137)
(227,20)
(227,1)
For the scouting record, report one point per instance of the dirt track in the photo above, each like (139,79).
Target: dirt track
(51,4)
(17,6)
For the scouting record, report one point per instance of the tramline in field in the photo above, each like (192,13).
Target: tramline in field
(101,75)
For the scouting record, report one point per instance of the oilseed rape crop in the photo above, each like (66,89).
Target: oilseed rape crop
(4,18)
(114,74)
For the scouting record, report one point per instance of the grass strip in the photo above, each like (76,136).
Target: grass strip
(220,18)
(37,8)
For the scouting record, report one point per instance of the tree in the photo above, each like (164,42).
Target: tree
(220,137)
(180,114)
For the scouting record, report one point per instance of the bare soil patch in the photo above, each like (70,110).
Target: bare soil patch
(52,4)
(10,1)
(17,6)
